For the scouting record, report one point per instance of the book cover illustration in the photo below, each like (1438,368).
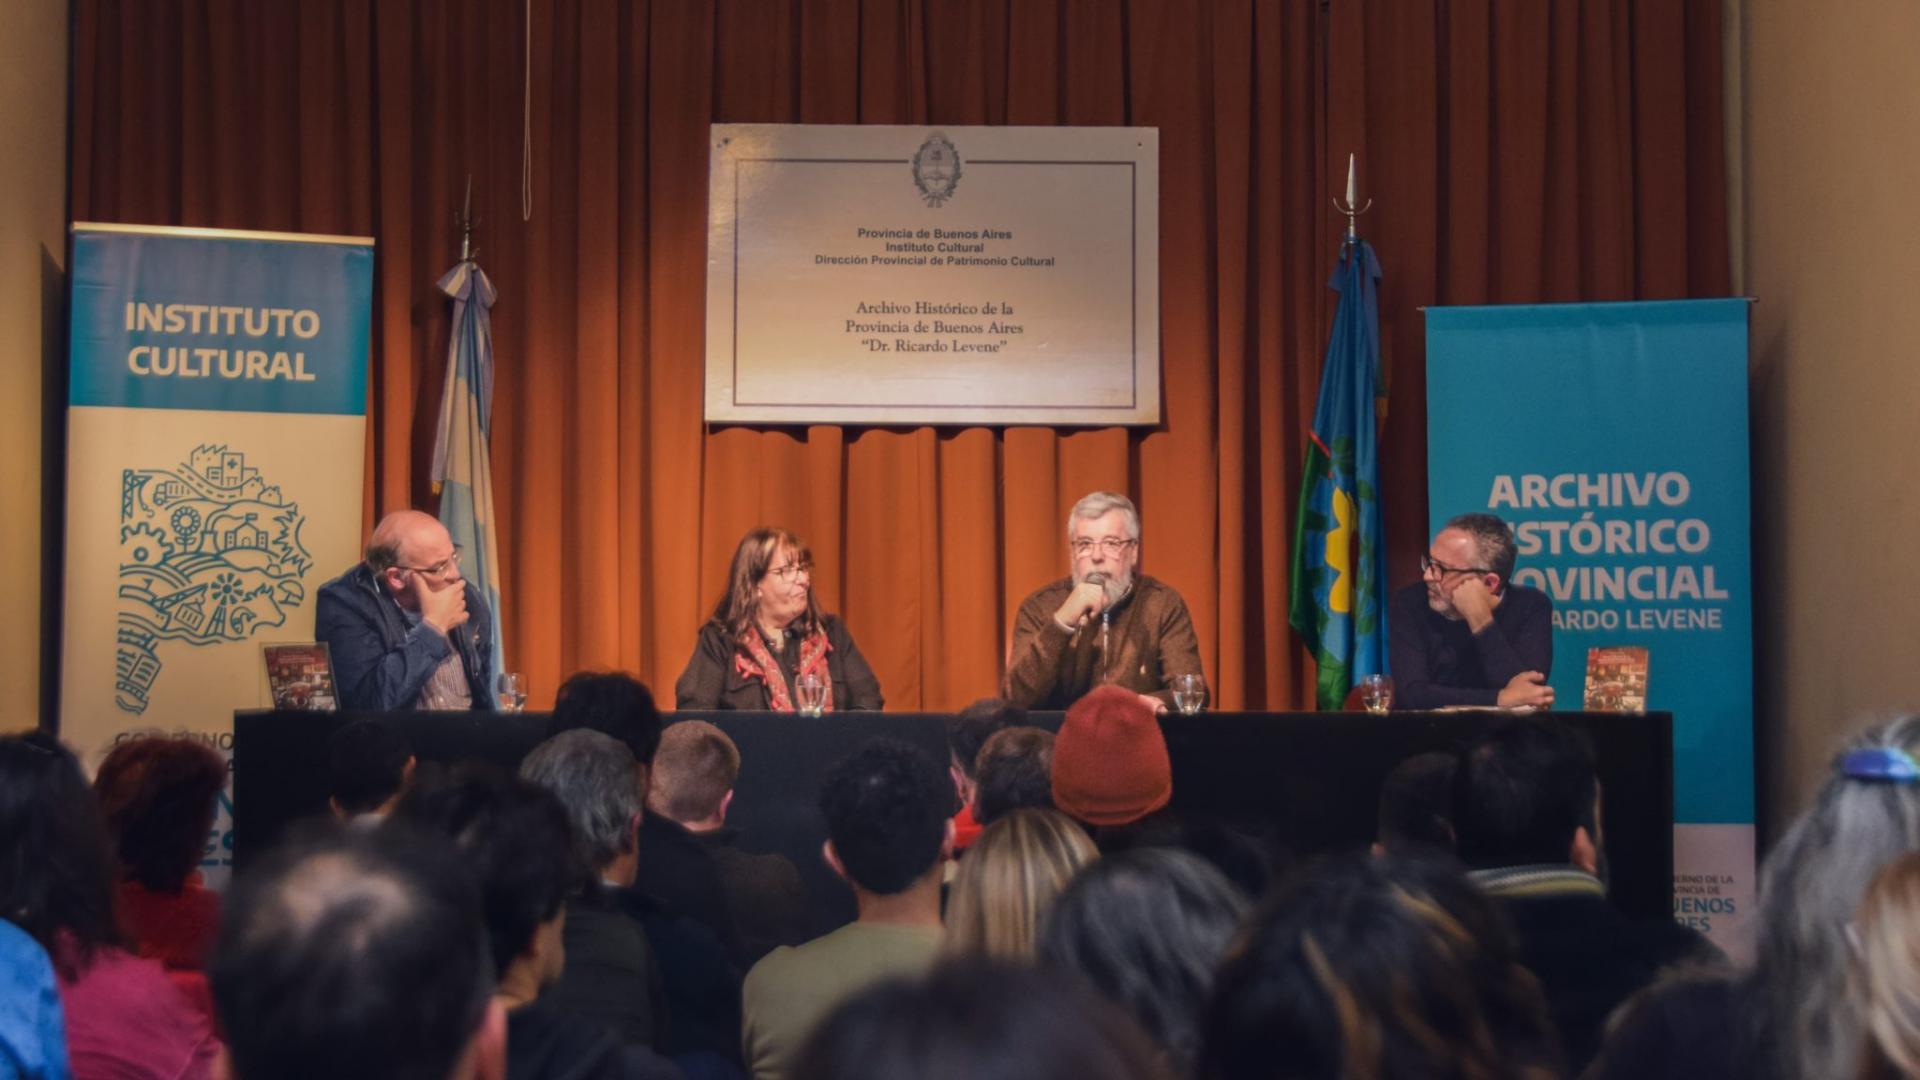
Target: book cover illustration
(1616,678)
(300,675)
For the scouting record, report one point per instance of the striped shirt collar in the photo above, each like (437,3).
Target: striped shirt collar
(1537,881)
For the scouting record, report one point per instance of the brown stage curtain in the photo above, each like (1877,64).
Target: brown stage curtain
(1516,151)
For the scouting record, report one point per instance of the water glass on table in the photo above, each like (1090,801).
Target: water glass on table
(1376,694)
(1189,693)
(510,691)
(810,694)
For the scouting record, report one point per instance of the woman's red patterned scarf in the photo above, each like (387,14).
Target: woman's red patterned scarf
(758,663)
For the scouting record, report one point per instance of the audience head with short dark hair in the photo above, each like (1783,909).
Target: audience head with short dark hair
(612,703)
(1008,879)
(592,774)
(970,728)
(514,837)
(1014,771)
(366,765)
(56,862)
(886,807)
(1377,967)
(1521,791)
(1146,929)
(1416,806)
(693,771)
(353,952)
(1110,762)
(159,796)
(977,1019)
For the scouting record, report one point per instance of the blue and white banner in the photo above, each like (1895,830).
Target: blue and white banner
(1614,438)
(215,464)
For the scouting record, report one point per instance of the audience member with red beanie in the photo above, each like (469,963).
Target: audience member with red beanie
(1109,760)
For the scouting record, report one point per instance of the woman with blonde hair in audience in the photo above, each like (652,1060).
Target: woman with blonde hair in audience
(1786,1018)
(1885,936)
(1008,879)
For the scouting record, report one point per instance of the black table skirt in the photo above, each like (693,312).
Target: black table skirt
(1308,781)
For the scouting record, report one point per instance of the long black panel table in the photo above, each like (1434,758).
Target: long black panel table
(1308,782)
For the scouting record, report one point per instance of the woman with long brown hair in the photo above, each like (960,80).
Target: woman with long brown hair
(768,646)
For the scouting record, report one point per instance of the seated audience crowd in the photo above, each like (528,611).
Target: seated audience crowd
(1046,907)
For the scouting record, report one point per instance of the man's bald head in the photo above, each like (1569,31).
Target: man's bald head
(403,538)
(408,543)
(355,953)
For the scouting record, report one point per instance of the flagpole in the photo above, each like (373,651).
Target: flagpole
(466,223)
(1352,208)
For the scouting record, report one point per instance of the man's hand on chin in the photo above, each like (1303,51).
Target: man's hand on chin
(1086,600)
(1528,689)
(445,608)
(1474,602)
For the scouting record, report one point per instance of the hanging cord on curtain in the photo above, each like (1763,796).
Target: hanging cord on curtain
(526,122)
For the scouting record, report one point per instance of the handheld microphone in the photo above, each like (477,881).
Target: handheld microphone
(1098,577)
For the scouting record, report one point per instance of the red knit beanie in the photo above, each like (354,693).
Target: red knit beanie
(1110,760)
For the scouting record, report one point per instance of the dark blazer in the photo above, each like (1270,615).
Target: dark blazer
(698,988)
(611,977)
(764,892)
(677,869)
(546,1044)
(381,663)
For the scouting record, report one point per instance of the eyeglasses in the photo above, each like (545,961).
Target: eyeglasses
(1429,564)
(791,570)
(440,569)
(1112,546)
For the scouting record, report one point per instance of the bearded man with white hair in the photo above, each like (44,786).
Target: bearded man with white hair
(1102,624)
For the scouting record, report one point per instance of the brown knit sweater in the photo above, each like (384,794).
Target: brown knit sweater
(1149,640)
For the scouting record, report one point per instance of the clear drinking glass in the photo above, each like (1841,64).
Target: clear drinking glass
(1376,694)
(510,689)
(810,694)
(1189,693)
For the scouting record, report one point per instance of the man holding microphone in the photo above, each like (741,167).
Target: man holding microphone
(1103,624)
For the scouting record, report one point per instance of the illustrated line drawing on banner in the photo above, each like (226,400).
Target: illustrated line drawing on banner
(209,553)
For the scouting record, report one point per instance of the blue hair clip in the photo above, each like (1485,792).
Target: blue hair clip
(1882,764)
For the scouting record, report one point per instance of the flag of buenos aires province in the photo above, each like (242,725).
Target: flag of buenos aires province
(1338,603)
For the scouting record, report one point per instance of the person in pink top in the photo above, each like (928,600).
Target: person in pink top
(125,1020)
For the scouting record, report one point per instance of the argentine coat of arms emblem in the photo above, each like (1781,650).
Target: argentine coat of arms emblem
(936,169)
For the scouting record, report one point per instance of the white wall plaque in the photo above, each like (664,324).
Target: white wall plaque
(918,275)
